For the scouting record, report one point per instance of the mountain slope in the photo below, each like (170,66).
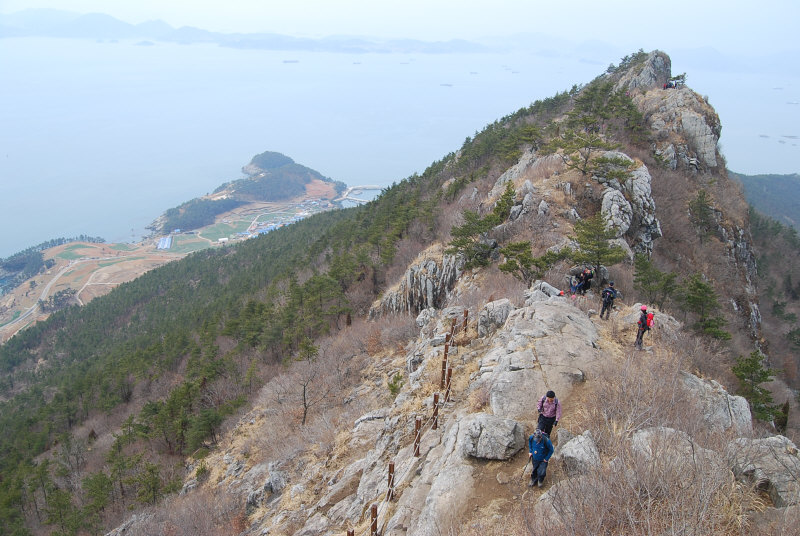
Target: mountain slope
(775,195)
(150,374)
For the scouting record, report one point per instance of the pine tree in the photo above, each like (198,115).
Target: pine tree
(657,286)
(520,262)
(752,373)
(593,239)
(700,298)
(701,214)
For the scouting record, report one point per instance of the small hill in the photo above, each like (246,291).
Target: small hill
(272,177)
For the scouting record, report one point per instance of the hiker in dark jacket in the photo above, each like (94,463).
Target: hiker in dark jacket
(586,281)
(540,448)
(609,294)
(642,323)
(549,412)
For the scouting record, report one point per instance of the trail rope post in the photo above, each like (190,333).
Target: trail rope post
(374,514)
(350,532)
(417,426)
(390,493)
(464,327)
(444,367)
(447,392)
(435,424)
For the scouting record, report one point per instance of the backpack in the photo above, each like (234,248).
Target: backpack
(541,403)
(608,296)
(650,320)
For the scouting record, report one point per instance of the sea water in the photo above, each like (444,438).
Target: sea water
(99,138)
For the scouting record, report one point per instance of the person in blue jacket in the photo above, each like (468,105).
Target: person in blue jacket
(540,449)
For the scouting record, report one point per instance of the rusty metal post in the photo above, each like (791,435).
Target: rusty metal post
(447,393)
(390,493)
(417,426)
(351,532)
(444,371)
(435,424)
(374,515)
(466,312)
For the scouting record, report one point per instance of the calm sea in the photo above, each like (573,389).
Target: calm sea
(99,138)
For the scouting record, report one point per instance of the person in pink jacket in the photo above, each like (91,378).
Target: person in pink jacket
(549,412)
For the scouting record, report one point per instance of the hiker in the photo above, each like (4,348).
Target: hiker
(549,412)
(540,448)
(609,294)
(586,281)
(644,323)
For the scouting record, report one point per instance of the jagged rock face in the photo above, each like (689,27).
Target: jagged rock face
(653,73)
(771,463)
(425,284)
(629,208)
(686,128)
(720,410)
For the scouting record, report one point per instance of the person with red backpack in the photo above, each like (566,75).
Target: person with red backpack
(645,323)
(549,412)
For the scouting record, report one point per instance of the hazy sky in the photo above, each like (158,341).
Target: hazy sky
(732,25)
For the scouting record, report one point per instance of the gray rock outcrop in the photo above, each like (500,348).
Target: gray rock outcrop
(628,206)
(652,73)
(721,411)
(424,285)
(492,438)
(686,128)
(545,339)
(771,464)
(493,315)
(579,455)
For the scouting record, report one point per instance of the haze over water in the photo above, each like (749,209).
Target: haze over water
(100,138)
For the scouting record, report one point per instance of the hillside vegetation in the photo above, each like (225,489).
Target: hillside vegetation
(247,366)
(776,195)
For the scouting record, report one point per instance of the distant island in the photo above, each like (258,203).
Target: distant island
(99,26)
(272,177)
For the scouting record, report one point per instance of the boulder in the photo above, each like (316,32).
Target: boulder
(547,289)
(720,410)
(770,463)
(674,451)
(425,316)
(493,315)
(579,455)
(492,438)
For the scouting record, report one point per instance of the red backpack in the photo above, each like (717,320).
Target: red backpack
(650,320)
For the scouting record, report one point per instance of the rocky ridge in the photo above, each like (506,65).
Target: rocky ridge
(506,358)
